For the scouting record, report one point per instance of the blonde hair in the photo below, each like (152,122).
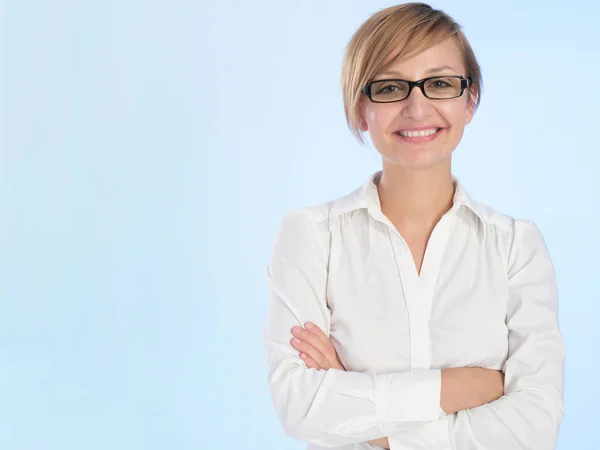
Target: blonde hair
(394,33)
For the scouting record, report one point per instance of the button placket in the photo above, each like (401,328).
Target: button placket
(419,290)
(409,281)
(434,253)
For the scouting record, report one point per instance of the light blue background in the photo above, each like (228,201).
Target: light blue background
(149,149)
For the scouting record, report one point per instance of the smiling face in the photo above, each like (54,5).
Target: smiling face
(419,132)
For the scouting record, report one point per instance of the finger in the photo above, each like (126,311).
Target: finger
(327,347)
(312,328)
(311,339)
(304,347)
(309,362)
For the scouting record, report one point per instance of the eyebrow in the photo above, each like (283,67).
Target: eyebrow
(427,72)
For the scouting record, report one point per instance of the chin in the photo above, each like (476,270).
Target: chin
(415,159)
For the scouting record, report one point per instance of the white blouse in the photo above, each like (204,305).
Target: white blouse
(486,297)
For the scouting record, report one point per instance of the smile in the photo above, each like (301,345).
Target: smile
(419,136)
(418,133)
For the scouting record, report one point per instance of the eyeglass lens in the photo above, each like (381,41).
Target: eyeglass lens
(435,88)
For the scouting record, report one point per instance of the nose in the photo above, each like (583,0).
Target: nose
(416,106)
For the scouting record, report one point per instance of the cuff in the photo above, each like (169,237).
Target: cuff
(409,397)
(426,435)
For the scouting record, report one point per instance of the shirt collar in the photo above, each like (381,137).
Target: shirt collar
(367,197)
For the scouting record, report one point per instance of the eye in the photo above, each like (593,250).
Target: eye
(388,88)
(440,83)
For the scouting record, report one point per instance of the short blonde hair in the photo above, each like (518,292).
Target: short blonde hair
(395,33)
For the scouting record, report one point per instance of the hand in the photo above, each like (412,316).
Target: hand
(469,387)
(381,442)
(316,349)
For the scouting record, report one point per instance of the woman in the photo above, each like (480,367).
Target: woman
(406,315)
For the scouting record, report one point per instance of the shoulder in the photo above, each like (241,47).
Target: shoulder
(519,238)
(303,233)
(318,217)
(504,223)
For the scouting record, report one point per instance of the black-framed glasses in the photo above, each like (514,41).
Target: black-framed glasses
(435,88)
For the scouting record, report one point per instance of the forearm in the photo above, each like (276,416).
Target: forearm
(382,442)
(396,403)
(522,420)
(469,387)
(334,408)
(461,388)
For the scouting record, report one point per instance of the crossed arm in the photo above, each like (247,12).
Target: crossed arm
(334,408)
(461,388)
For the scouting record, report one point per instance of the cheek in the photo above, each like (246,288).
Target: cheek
(457,115)
(372,117)
(379,118)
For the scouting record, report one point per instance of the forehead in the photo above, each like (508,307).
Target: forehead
(444,58)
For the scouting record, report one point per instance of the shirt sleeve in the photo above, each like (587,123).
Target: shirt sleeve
(333,407)
(529,413)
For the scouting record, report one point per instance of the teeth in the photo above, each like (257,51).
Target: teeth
(420,133)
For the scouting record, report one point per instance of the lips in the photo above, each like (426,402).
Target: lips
(419,136)
(418,132)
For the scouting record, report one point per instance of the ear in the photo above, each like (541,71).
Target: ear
(472,96)
(362,123)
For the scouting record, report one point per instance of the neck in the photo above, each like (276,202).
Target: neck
(416,198)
